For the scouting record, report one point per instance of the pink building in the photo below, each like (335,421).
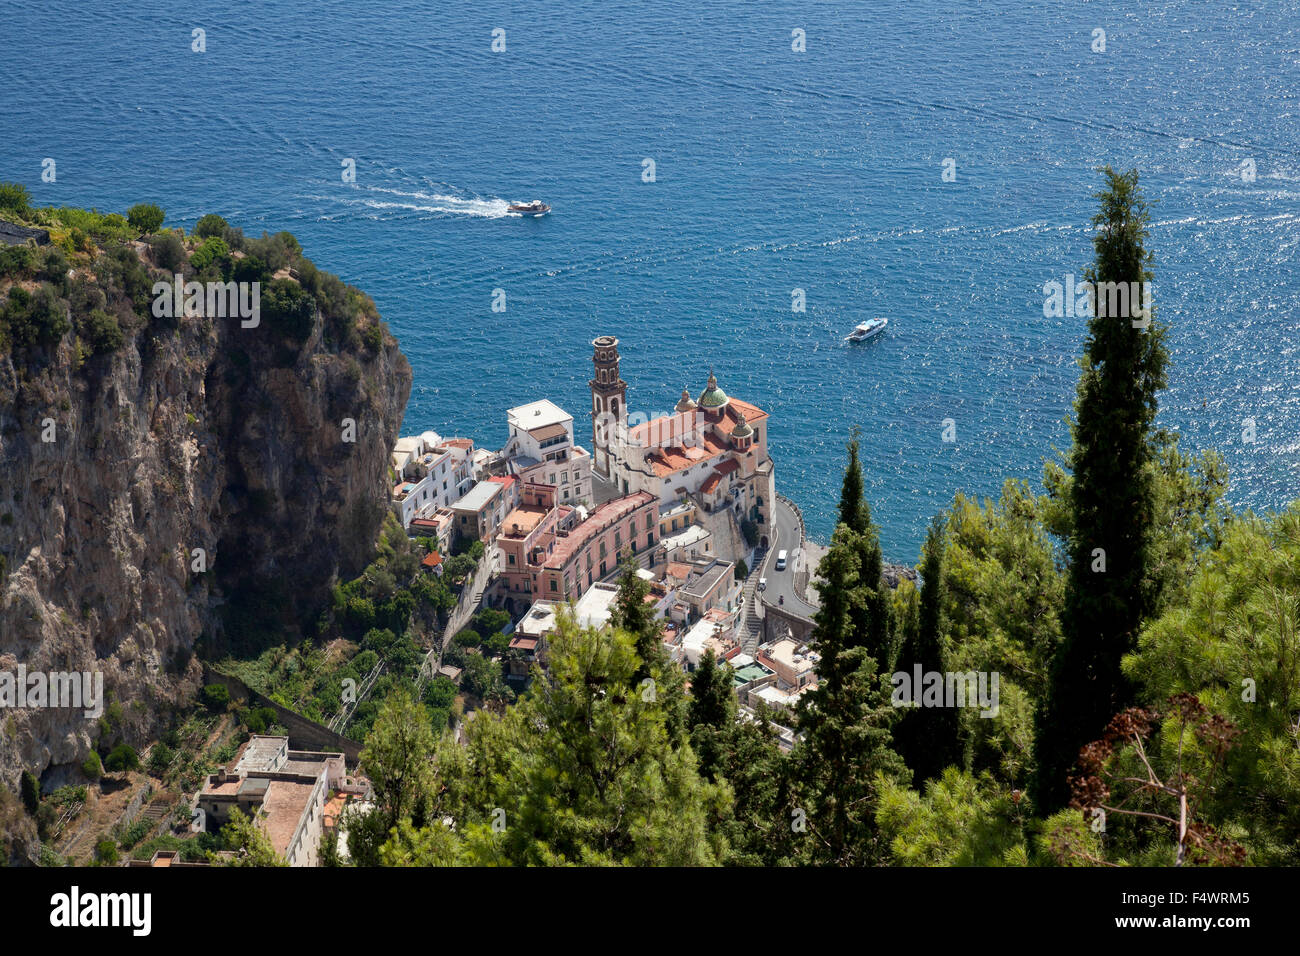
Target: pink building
(528,537)
(557,562)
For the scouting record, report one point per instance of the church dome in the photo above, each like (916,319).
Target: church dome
(713,397)
(742,430)
(686,404)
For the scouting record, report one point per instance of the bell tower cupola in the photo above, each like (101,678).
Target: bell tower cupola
(608,406)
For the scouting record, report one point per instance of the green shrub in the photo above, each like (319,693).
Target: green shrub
(250,269)
(106,852)
(102,332)
(168,250)
(210,225)
(64,796)
(216,697)
(160,759)
(122,758)
(288,309)
(91,222)
(14,198)
(133,833)
(146,217)
(53,266)
(213,251)
(92,768)
(32,318)
(17,262)
(260,719)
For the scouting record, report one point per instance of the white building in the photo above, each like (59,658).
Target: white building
(541,449)
(432,473)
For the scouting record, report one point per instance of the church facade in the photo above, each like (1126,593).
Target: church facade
(712,449)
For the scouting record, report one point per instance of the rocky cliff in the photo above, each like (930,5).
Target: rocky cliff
(199,483)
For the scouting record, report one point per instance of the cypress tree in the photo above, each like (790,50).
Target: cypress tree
(852,497)
(1111,500)
(844,722)
(928,738)
(872,627)
(31,792)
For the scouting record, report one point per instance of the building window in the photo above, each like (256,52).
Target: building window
(553,587)
(512,559)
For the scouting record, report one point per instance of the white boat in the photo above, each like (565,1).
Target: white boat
(534,208)
(866,330)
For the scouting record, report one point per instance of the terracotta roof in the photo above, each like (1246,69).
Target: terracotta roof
(527,517)
(666,461)
(728,466)
(432,559)
(466,443)
(752,413)
(611,511)
(506,480)
(711,483)
(657,431)
(679,571)
(284,806)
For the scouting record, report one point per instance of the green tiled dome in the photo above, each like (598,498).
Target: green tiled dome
(713,397)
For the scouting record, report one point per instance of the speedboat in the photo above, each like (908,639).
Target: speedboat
(534,208)
(865,330)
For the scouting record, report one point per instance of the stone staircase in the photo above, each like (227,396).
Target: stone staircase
(749,629)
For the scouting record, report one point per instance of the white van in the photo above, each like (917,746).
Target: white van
(780,560)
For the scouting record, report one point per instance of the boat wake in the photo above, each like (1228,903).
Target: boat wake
(389,201)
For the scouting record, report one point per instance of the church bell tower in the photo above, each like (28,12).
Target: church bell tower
(608,406)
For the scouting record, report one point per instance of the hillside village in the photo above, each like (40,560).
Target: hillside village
(689,497)
(687,502)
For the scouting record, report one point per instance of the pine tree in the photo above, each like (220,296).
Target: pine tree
(1110,499)
(634,614)
(396,758)
(712,701)
(928,738)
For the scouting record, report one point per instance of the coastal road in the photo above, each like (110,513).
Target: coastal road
(780,584)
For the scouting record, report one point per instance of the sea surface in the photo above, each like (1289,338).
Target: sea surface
(774,170)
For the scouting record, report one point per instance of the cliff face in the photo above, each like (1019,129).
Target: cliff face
(195,433)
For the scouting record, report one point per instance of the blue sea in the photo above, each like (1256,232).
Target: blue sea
(774,170)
